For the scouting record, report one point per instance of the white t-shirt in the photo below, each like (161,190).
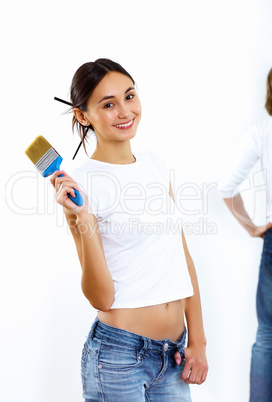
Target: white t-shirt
(140,229)
(256,144)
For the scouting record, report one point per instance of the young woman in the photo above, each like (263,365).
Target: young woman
(136,269)
(256,145)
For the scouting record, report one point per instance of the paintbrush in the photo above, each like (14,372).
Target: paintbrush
(47,160)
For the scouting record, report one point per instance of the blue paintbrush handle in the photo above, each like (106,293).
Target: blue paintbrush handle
(55,165)
(78,200)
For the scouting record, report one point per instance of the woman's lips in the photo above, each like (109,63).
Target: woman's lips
(125,126)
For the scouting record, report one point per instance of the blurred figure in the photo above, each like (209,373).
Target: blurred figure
(255,145)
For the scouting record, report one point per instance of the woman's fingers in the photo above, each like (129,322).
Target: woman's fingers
(177,358)
(56,180)
(65,180)
(65,189)
(196,368)
(68,185)
(65,183)
(204,376)
(65,186)
(55,175)
(198,379)
(195,375)
(186,371)
(260,231)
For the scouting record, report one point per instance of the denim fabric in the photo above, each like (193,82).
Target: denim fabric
(120,366)
(261,359)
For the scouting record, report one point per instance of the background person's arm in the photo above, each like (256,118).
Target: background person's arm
(237,208)
(248,151)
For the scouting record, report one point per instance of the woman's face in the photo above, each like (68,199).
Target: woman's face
(114,109)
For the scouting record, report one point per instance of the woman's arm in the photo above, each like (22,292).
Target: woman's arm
(96,282)
(195,353)
(236,207)
(196,367)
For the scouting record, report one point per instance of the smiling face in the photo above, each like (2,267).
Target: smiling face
(114,109)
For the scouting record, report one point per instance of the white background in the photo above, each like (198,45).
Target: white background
(201,68)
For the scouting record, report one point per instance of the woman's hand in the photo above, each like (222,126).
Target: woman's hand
(64,186)
(259,231)
(196,367)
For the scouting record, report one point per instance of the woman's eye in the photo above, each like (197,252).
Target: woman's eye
(108,105)
(130,96)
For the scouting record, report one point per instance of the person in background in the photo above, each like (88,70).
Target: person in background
(256,145)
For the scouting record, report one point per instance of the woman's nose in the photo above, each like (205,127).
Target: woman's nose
(123,111)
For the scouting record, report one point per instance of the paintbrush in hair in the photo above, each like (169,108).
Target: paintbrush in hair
(47,160)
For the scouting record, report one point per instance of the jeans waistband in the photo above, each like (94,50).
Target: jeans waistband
(122,337)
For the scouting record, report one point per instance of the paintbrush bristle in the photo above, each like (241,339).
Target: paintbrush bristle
(45,158)
(37,149)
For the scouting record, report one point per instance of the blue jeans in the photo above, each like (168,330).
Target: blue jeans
(120,366)
(261,359)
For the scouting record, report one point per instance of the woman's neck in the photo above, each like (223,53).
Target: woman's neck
(120,156)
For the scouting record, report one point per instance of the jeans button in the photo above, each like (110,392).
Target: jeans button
(165,347)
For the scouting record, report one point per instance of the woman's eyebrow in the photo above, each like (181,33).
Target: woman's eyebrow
(112,96)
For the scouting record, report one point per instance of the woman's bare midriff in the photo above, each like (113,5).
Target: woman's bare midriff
(162,321)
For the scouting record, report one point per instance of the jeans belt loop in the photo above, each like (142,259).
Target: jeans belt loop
(145,346)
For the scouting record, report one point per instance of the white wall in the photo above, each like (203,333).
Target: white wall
(201,69)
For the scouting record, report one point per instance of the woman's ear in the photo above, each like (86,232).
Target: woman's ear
(81,117)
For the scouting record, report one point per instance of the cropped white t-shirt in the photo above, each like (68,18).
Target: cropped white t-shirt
(140,229)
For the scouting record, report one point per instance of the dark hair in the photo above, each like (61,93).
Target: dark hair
(85,79)
(268,102)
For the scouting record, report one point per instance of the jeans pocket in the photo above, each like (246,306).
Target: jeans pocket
(118,357)
(90,351)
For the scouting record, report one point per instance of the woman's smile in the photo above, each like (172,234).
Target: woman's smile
(125,126)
